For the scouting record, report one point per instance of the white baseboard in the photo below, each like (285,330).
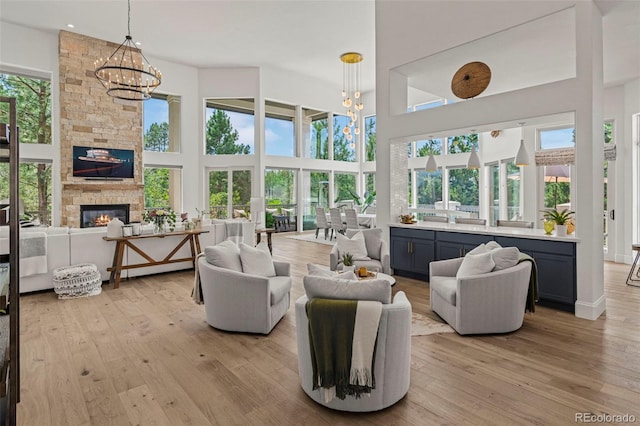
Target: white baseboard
(591,311)
(623,258)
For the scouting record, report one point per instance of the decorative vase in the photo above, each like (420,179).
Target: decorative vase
(548,226)
(561,230)
(159,226)
(114,228)
(346,268)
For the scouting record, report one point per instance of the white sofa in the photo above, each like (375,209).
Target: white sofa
(72,246)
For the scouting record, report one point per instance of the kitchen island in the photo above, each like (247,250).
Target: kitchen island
(414,246)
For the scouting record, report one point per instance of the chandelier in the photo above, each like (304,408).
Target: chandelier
(127,74)
(351,93)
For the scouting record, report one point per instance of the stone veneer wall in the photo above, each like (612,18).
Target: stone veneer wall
(90,117)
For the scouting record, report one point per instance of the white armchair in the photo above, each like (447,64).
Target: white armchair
(492,302)
(377,250)
(235,301)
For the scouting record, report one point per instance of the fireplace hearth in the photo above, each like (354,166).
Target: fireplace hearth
(96,215)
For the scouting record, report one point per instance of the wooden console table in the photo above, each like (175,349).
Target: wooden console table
(193,237)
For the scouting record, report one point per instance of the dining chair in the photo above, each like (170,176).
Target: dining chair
(352,219)
(336,221)
(322,222)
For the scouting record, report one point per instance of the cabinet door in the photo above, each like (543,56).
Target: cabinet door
(423,254)
(448,250)
(556,281)
(400,253)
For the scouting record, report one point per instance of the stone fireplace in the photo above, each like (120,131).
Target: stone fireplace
(95,215)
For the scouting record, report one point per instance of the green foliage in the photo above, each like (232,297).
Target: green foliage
(347,259)
(431,146)
(560,217)
(33,102)
(464,186)
(280,184)
(370,143)
(341,150)
(156,188)
(269,220)
(463,143)
(157,137)
(366,202)
(429,187)
(320,146)
(556,193)
(221,137)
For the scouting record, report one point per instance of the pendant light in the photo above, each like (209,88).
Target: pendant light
(522,157)
(351,99)
(474,160)
(127,73)
(432,166)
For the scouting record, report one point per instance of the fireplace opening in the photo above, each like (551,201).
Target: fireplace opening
(96,215)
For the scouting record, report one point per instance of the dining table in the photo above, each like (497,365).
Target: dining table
(368,220)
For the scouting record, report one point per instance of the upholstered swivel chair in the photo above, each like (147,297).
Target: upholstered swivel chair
(377,251)
(392,363)
(493,302)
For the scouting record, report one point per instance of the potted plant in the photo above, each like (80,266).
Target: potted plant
(347,262)
(560,218)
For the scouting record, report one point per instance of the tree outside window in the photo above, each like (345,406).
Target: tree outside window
(33,102)
(343,149)
(370,138)
(429,188)
(229,127)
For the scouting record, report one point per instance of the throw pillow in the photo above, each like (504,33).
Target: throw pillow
(257,260)
(333,288)
(492,245)
(482,248)
(372,239)
(323,271)
(475,264)
(505,257)
(354,245)
(224,255)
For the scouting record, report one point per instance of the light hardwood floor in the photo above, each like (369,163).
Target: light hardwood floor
(144,355)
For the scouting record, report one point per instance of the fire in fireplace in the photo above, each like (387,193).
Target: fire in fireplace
(93,215)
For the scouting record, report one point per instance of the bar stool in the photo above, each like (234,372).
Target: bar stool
(634,247)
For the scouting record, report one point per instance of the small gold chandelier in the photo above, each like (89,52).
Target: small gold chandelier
(351,99)
(127,74)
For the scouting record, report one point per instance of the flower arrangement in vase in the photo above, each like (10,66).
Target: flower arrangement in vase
(407,218)
(161,219)
(560,218)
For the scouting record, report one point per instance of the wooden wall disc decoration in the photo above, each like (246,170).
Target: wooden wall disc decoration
(471,80)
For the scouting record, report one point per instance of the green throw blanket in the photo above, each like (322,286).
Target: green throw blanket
(532,295)
(331,325)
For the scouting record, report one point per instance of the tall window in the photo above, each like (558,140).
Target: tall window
(557,178)
(162,123)
(229,127)
(280,187)
(370,138)
(343,149)
(494,193)
(162,188)
(430,146)
(344,187)
(223,198)
(279,133)
(317,136)
(463,188)
(370,182)
(33,102)
(514,177)
(429,188)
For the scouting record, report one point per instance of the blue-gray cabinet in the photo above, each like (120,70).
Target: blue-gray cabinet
(412,249)
(411,252)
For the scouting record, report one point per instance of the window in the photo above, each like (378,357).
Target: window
(229,127)
(33,102)
(557,138)
(221,202)
(279,133)
(494,193)
(344,187)
(429,188)
(370,138)
(159,135)
(370,182)
(429,146)
(316,134)
(316,193)
(162,188)
(35,190)
(343,149)
(463,188)
(462,143)
(514,177)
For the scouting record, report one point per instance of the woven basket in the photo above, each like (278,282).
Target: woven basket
(73,281)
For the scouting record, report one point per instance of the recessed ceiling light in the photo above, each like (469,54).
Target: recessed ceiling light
(70,25)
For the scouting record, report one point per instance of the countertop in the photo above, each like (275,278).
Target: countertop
(537,234)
